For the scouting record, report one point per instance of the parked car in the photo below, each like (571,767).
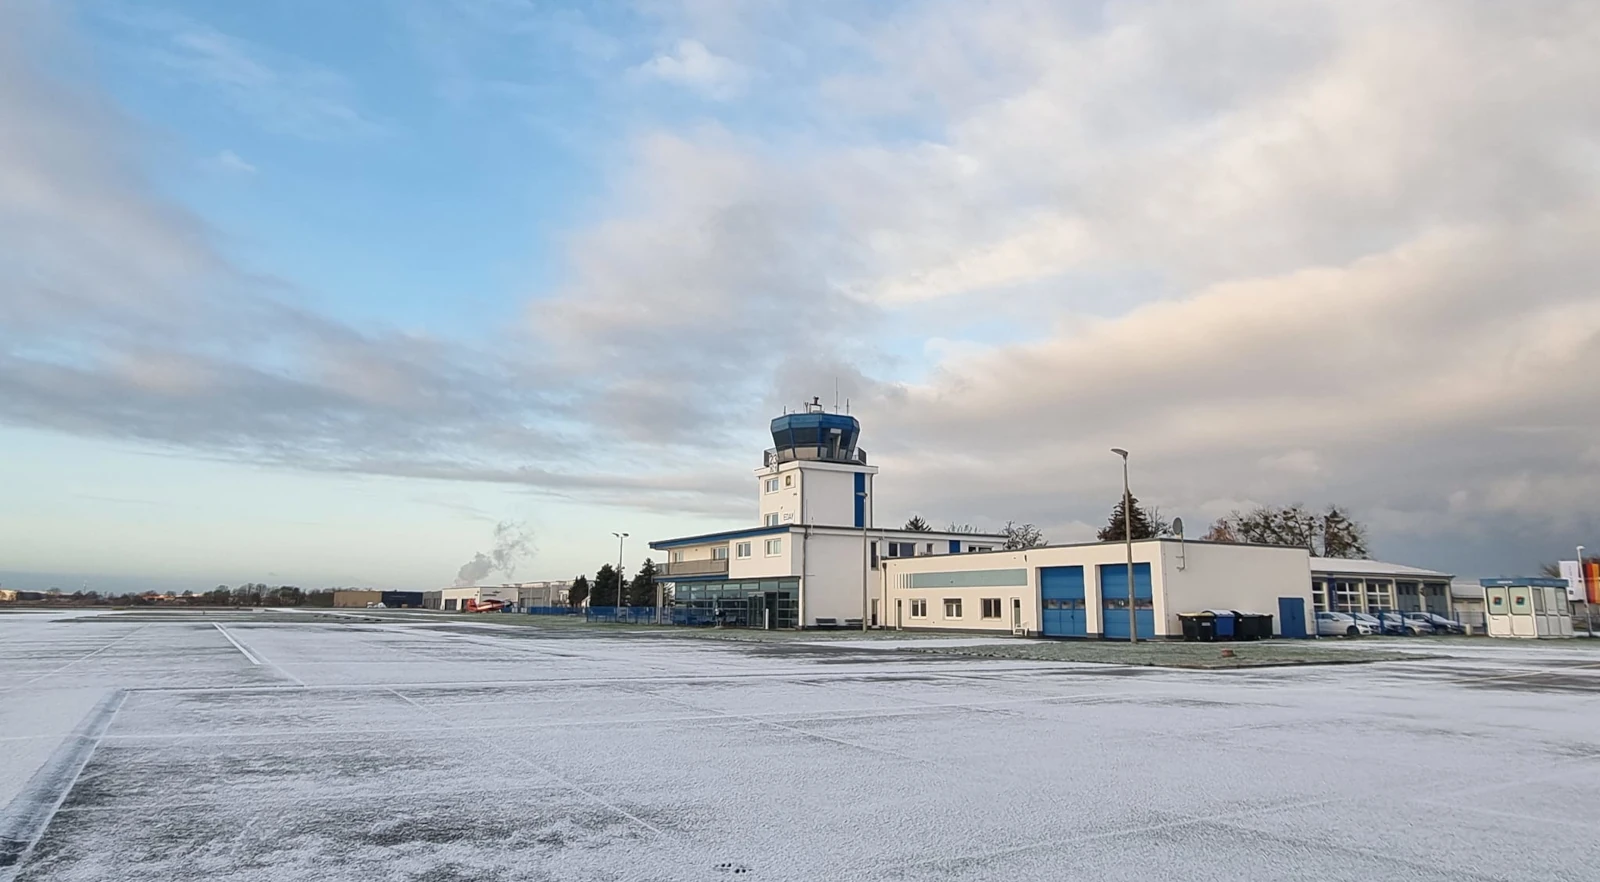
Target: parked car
(1338,624)
(1440,624)
(1394,623)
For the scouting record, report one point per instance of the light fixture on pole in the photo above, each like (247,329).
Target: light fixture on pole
(1127,535)
(866,564)
(620,538)
(1583,591)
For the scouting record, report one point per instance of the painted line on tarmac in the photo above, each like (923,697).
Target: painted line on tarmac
(236,644)
(24,820)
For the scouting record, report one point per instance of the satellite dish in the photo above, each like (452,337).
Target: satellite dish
(1177,527)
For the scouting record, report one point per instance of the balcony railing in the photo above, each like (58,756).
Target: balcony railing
(694,568)
(813,454)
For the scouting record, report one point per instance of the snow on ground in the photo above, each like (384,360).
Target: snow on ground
(428,751)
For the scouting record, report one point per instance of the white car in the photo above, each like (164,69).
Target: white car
(1338,624)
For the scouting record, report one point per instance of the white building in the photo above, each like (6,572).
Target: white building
(1372,586)
(1082,590)
(814,559)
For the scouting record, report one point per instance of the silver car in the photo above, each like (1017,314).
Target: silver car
(1338,624)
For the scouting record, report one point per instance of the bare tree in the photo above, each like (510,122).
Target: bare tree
(1019,536)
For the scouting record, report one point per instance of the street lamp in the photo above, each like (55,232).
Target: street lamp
(620,538)
(1127,535)
(1583,591)
(866,564)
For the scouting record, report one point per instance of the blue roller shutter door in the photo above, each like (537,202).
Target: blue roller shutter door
(1114,600)
(1061,602)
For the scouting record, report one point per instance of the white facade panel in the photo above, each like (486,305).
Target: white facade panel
(832,568)
(1194,577)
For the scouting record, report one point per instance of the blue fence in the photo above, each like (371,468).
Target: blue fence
(553,611)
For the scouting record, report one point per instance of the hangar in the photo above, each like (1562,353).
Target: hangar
(1082,590)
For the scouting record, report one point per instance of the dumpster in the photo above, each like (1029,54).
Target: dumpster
(1200,626)
(1252,626)
(1226,626)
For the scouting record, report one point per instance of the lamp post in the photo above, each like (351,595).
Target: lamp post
(1583,590)
(1127,535)
(620,538)
(866,566)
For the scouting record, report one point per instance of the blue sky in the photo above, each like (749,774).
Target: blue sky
(322,292)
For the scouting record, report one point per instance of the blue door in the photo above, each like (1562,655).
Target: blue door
(1292,616)
(1061,602)
(1114,600)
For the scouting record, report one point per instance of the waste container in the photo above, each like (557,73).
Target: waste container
(1227,628)
(1199,626)
(1251,626)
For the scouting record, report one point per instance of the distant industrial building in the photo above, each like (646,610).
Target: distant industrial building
(511,595)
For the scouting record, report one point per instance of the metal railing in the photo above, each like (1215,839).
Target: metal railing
(775,455)
(693,568)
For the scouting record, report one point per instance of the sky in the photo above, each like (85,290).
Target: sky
(323,293)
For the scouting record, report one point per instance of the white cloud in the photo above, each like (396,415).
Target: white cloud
(692,65)
(231,162)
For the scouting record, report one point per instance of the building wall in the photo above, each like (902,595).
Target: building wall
(758,565)
(831,565)
(785,501)
(828,495)
(1214,576)
(358,599)
(1247,578)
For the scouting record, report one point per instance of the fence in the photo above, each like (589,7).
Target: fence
(552,611)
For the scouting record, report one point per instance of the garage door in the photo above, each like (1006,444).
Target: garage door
(1114,600)
(1061,602)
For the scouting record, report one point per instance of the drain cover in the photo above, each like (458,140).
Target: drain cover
(730,867)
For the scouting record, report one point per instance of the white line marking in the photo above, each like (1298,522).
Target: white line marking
(236,644)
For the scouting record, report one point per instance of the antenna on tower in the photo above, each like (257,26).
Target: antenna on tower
(835,394)
(847,407)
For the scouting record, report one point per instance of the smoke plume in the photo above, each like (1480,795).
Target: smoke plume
(512,543)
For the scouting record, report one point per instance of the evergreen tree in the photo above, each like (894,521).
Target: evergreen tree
(1342,536)
(603,591)
(1142,525)
(579,592)
(642,589)
(919,525)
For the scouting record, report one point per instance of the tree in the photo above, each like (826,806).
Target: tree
(1332,533)
(918,525)
(642,589)
(603,591)
(1019,536)
(1140,523)
(1342,535)
(579,592)
(1221,531)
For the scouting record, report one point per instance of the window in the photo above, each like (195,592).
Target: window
(772,485)
(719,553)
(991,607)
(742,550)
(971,548)
(952,607)
(929,548)
(772,519)
(919,609)
(774,547)
(676,557)
(902,549)
(450,604)
(788,480)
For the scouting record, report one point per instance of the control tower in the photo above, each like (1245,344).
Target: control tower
(815,473)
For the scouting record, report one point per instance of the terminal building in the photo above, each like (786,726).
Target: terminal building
(817,559)
(813,559)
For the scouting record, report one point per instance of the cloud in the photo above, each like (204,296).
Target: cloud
(279,92)
(691,65)
(1339,253)
(231,162)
